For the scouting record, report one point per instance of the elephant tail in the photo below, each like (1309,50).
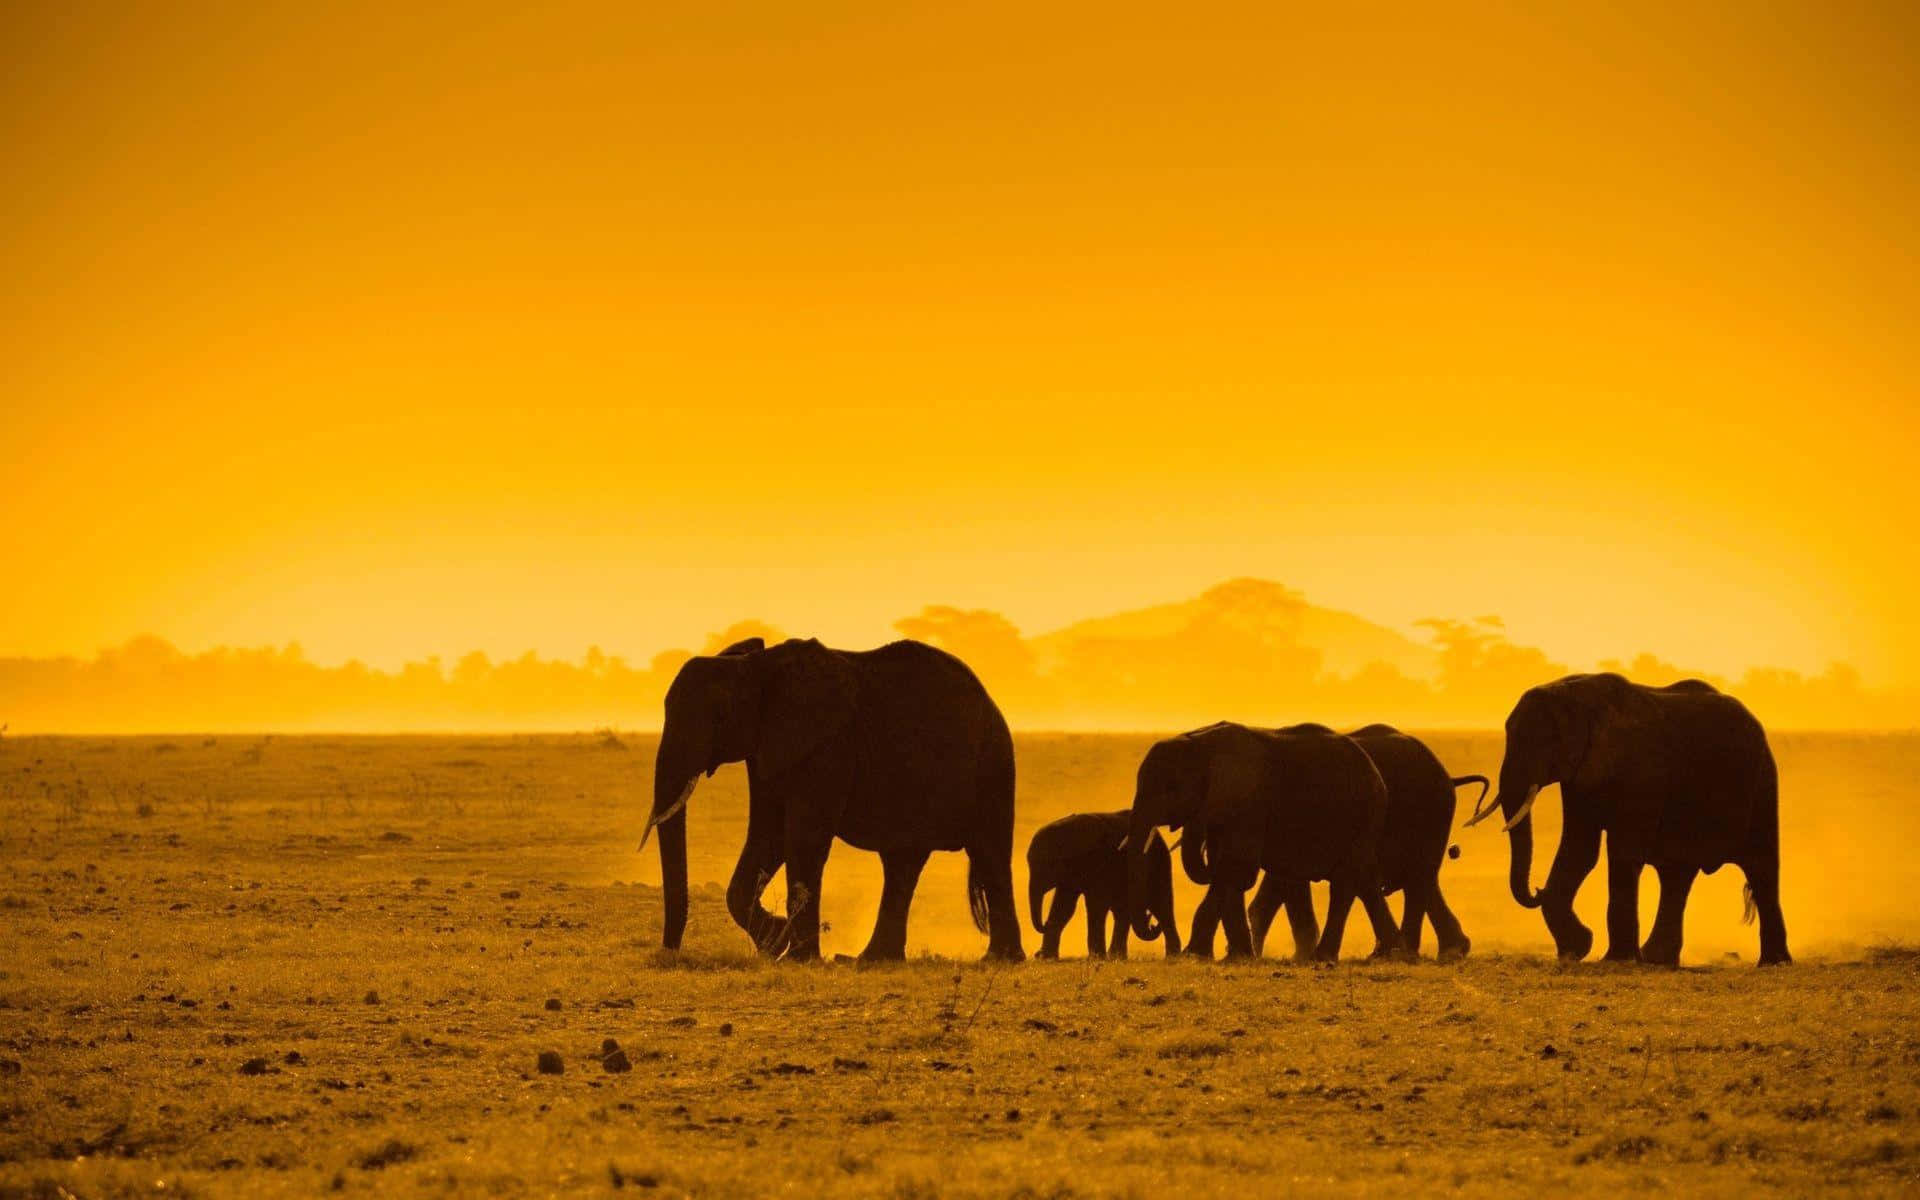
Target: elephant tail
(1482,780)
(1747,911)
(977,897)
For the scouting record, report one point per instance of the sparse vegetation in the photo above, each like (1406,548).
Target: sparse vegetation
(264,996)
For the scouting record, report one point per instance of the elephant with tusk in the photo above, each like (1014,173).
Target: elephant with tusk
(1413,846)
(1302,804)
(897,750)
(1678,777)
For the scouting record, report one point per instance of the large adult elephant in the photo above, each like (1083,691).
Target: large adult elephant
(1679,777)
(1302,803)
(897,750)
(1413,845)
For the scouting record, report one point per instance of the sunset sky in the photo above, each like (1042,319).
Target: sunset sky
(399,332)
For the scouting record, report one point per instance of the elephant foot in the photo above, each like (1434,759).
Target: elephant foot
(1578,945)
(887,954)
(1454,951)
(1776,958)
(1660,954)
(1012,954)
(1617,954)
(1045,955)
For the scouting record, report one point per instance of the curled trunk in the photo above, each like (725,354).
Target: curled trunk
(1139,873)
(1193,855)
(1036,897)
(1163,906)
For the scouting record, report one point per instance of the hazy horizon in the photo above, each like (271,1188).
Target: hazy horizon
(1245,649)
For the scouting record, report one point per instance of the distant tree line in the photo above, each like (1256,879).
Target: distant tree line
(1239,651)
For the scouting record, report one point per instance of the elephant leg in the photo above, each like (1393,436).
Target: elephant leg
(1117,944)
(992,871)
(1339,904)
(1415,899)
(1065,899)
(1096,929)
(1267,900)
(760,860)
(1386,935)
(1297,896)
(1663,944)
(1454,942)
(1231,904)
(1623,907)
(1205,923)
(901,874)
(1579,853)
(1763,879)
(806,863)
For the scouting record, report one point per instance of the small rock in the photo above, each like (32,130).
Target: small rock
(549,1063)
(608,1046)
(510,894)
(616,1062)
(373,997)
(1547,1051)
(254,1066)
(726,1029)
(295,1059)
(553,1004)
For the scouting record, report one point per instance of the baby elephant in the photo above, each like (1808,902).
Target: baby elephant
(1084,855)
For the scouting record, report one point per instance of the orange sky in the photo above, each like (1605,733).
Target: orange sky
(398,333)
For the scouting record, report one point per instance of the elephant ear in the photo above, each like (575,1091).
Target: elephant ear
(806,699)
(1595,715)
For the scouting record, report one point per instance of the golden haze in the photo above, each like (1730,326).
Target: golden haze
(409,333)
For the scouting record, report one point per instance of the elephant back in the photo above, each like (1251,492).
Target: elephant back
(1081,835)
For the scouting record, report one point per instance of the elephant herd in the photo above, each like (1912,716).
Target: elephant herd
(900,751)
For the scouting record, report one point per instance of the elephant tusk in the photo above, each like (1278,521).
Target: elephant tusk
(1526,806)
(673,811)
(1481,814)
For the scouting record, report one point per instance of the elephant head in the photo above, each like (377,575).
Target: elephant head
(771,706)
(1554,732)
(1170,789)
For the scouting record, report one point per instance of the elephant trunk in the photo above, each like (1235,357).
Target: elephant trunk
(1193,855)
(673,879)
(672,785)
(1036,896)
(1140,839)
(1515,802)
(1169,922)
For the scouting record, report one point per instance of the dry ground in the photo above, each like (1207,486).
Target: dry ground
(288,966)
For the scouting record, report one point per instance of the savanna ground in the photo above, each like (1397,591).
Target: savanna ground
(245,965)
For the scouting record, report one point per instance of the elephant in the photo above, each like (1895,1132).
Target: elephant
(897,750)
(1678,776)
(1413,845)
(1302,803)
(1084,855)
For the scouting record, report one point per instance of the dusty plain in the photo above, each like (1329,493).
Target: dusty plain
(288,966)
